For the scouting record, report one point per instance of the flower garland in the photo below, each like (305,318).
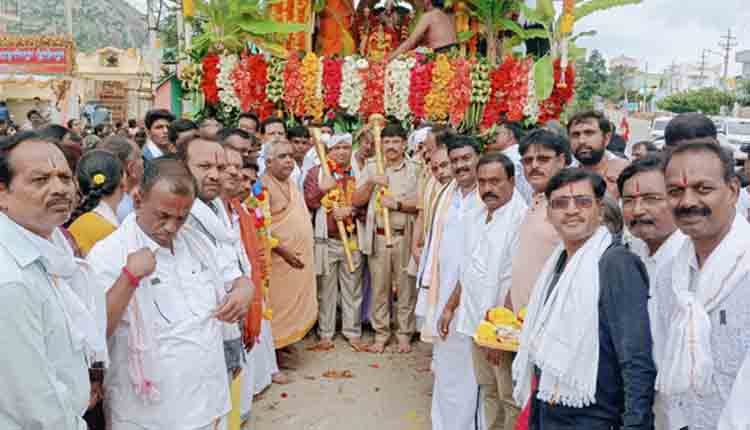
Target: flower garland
(191,77)
(353,85)
(438,100)
(508,92)
(372,102)
(250,81)
(294,88)
(275,86)
(561,95)
(421,81)
(341,196)
(397,83)
(460,90)
(260,207)
(531,107)
(313,104)
(227,96)
(208,82)
(332,77)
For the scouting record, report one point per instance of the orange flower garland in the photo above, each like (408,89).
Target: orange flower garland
(438,100)
(294,89)
(372,101)
(460,90)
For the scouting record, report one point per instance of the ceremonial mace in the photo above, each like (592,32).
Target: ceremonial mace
(339,223)
(376,122)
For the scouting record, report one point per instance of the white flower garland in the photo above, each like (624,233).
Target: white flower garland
(397,82)
(531,109)
(227,96)
(352,85)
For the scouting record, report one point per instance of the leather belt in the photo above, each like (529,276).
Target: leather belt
(394,232)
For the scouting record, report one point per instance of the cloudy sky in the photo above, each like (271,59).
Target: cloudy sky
(658,32)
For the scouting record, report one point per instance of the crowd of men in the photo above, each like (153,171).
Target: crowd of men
(141,279)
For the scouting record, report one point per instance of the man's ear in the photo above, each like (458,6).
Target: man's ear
(3,197)
(137,198)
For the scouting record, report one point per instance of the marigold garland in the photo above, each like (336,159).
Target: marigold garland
(309,72)
(438,100)
(208,82)
(294,89)
(561,95)
(259,206)
(460,90)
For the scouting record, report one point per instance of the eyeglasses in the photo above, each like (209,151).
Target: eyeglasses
(540,159)
(580,202)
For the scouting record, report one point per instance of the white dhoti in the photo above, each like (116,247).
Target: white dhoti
(258,370)
(454,395)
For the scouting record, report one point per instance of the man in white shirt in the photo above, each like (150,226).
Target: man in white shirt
(485,280)
(157,127)
(649,218)
(708,325)
(43,366)
(165,294)
(454,398)
(507,140)
(272,128)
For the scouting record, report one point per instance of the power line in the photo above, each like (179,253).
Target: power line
(727,43)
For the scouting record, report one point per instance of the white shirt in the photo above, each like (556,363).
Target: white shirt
(193,385)
(153,150)
(522,185)
(45,381)
(743,203)
(667,412)
(486,275)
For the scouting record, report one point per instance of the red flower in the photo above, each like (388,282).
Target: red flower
(372,99)
(508,92)
(332,77)
(561,95)
(208,83)
(294,91)
(460,90)
(250,79)
(421,82)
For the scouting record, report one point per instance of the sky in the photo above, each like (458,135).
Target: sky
(658,32)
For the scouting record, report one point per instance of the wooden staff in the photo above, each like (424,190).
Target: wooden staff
(339,223)
(376,122)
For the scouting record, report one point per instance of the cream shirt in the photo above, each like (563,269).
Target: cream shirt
(193,385)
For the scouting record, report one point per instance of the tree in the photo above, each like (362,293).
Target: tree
(743,93)
(706,100)
(591,80)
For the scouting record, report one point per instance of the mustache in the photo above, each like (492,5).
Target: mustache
(639,221)
(489,194)
(461,170)
(681,212)
(536,173)
(59,200)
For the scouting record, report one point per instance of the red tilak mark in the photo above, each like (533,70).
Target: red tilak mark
(637,188)
(684,178)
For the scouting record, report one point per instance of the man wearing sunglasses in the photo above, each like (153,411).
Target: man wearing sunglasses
(649,218)
(543,154)
(586,340)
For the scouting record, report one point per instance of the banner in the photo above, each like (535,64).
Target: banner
(51,60)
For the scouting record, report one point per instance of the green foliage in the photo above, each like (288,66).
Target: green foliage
(232,24)
(743,92)
(706,100)
(592,6)
(544,80)
(591,79)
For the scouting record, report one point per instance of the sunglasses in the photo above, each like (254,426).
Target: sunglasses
(580,202)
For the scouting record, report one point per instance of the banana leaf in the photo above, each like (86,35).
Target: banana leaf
(271,27)
(544,78)
(464,36)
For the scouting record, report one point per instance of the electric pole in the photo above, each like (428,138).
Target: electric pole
(702,66)
(728,42)
(69,16)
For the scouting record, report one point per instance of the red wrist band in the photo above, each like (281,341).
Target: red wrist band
(134,280)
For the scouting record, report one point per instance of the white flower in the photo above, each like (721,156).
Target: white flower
(362,64)
(397,82)
(227,95)
(352,85)
(531,109)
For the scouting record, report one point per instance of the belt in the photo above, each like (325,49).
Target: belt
(395,232)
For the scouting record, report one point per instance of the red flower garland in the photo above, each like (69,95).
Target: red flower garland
(460,90)
(372,98)
(508,92)
(421,82)
(332,77)
(250,79)
(561,94)
(294,91)
(210,74)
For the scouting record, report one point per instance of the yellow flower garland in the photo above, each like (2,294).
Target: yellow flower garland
(437,101)
(313,103)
